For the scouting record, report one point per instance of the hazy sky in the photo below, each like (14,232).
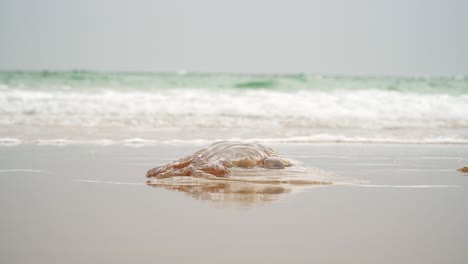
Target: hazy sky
(403,37)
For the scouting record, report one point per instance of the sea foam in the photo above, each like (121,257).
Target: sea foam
(55,109)
(370,109)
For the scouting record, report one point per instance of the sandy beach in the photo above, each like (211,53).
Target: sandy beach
(90,204)
(233,132)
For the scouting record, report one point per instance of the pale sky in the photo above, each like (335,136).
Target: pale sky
(370,37)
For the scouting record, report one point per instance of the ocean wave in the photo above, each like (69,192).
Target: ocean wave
(62,108)
(367,109)
(88,80)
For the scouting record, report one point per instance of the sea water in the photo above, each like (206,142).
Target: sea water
(144,108)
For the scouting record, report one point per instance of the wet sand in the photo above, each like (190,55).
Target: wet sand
(90,204)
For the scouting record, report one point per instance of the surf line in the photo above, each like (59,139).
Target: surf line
(26,170)
(407,186)
(110,182)
(351,185)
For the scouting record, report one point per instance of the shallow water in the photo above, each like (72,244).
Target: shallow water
(75,204)
(128,108)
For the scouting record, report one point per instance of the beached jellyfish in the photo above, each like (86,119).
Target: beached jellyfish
(237,172)
(219,158)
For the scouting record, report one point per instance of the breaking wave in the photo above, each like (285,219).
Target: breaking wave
(370,109)
(59,108)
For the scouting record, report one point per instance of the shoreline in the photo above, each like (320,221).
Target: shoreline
(10,141)
(85,202)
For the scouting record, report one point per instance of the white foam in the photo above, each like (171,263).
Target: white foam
(10,141)
(25,170)
(335,109)
(330,138)
(110,182)
(185,180)
(200,116)
(409,186)
(426,170)
(138,141)
(321,138)
(57,142)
